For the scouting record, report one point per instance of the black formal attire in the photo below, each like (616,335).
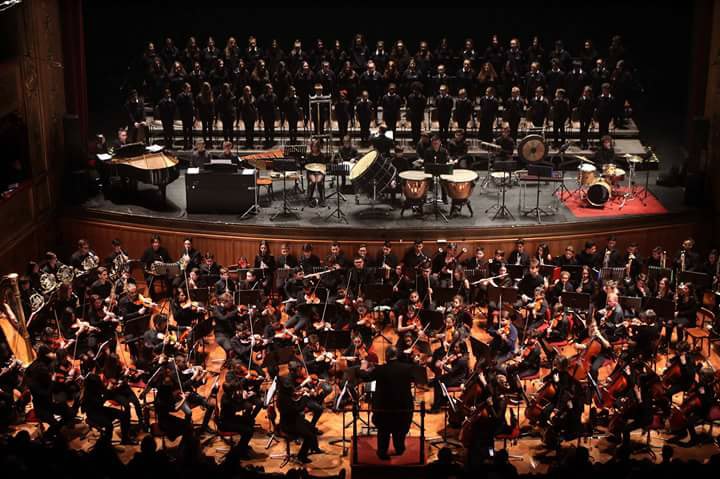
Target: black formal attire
(343,109)
(604,108)
(463,112)
(392,404)
(266,105)
(206,113)
(292,110)
(585,110)
(391,104)
(166,111)
(365,111)
(514,108)
(186,108)
(560,113)
(444,104)
(416,103)
(292,418)
(539,108)
(488,112)
(225,106)
(249,114)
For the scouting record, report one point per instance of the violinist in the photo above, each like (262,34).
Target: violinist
(38,378)
(539,312)
(130,307)
(195,280)
(186,313)
(611,318)
(295,284)
(117,377)
(557,330)
(193,377)
(447,336)
(168,398)
(236,416)
(292,419)
(65,388)
(505,339)
(101,416)
(527,364)
(157,340)
(310,391)
(225,316)
(103,322)
(454,370)
(318,360)
(646,334)
(225,284)
(245,342)
(357,353)
(402,285)
(461,312)
(265,264)
(305,309)
(364,324)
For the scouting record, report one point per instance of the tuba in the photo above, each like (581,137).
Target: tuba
(12,319)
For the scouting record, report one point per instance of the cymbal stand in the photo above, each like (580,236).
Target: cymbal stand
(286,209)
(503,211)
(562,189)
(338,171)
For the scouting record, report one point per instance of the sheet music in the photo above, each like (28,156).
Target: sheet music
(104,156)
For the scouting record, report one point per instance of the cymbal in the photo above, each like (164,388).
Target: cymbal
(582,159)
(633,159)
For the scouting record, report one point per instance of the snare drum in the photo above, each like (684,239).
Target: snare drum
(316,171)
(415,184)
(587,174)
(460,184)
(613,173)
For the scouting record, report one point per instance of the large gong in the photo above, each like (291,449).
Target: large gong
(532,148)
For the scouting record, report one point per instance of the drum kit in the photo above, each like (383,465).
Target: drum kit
(598,187)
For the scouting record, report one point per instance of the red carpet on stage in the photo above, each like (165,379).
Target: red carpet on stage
(367,452)
(580,209)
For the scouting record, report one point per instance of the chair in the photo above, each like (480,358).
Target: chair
(288,456)
(700,332)
(32,418)
(267,182)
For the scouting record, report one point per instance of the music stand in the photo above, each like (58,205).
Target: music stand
(285,165)
(201,295)
(576,301)
(332,339)
(437,169)
(435,319)
(630,303)
(338,170)
(664,308)
(539,172)
(702,281)
(167,269)
(656,273)
(443,295)
(575,271)
(516,271)
(248,297)
(504,166)
(480,350)
(547,270)
(613,273)
(377,293)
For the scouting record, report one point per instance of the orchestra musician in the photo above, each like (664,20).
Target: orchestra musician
(453,369)
(292,419)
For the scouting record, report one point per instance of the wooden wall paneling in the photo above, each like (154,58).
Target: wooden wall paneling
(228,247)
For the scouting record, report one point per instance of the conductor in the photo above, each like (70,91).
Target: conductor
(392,403)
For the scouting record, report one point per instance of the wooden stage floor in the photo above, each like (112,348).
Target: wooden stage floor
(529,455)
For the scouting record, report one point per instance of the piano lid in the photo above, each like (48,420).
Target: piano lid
(129,150)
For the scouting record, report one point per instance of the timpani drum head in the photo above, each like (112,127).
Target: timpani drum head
(414,175)
(460,176)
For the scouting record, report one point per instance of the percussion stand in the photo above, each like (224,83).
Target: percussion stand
(646,189)
(562,189)
(541,171)
(373,210)
(255,207)
(285,165)
(503,211)
(338,171)
(437,169)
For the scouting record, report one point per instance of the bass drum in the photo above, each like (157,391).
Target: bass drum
(598,193)
(373,169)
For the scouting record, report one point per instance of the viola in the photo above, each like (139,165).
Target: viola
(545,395)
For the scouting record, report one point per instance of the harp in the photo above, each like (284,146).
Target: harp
(12,319)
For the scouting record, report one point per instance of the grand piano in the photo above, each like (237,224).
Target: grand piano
(137,162)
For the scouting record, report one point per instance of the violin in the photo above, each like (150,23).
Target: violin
(144,302)
(193,306)
(312,298)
